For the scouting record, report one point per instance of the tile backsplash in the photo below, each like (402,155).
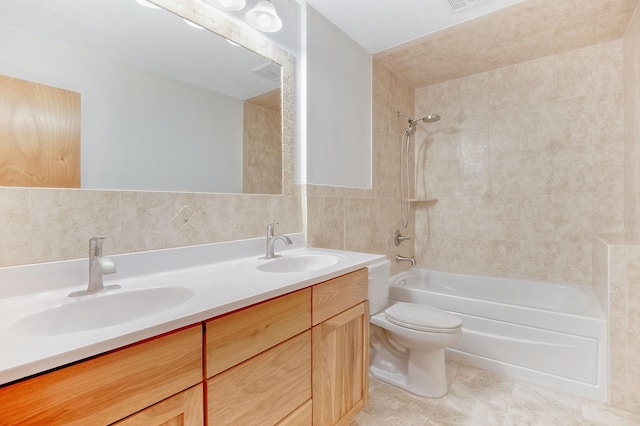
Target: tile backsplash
(42,225)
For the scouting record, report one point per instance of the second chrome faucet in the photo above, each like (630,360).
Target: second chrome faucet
(271,240)
(98,266)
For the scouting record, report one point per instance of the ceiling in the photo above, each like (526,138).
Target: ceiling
(424,43)
(380,25)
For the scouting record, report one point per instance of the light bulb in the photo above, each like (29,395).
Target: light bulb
(264,17)
(264,20)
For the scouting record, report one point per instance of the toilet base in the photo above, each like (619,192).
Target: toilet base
(423,373)
(420,370)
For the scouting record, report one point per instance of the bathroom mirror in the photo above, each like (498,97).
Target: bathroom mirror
(164,106)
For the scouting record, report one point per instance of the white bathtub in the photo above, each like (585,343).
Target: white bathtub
(549,334)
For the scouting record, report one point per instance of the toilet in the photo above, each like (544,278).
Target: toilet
(408,340)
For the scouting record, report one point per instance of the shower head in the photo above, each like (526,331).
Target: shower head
(411,128)
(431,118)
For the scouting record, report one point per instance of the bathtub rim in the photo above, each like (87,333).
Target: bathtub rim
(596,311)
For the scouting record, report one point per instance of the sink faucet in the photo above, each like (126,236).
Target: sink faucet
(411,259)
(98,267)
(271,240)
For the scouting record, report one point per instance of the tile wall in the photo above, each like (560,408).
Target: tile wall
(617,272)
(261,149)
(616,257)
(526,164)
(42,225)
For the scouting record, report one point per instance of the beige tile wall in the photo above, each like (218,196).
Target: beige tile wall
(617,256)
(632,120)
(527,165)
(366,219)
(41,225)
(618,264)
(261,149)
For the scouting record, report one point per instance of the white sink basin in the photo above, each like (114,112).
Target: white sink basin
(303,262)
(100,310)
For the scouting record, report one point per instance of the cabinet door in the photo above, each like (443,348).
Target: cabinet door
(183,409)
(340,361)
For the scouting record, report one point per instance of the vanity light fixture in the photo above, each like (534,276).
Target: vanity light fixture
(230,5)
(263,17)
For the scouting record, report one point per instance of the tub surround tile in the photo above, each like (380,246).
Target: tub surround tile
(621,281)
(542,145)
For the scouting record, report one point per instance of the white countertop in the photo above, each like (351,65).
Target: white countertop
(218,275)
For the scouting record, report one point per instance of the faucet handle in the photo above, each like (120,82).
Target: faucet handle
(95,246)
(270,229)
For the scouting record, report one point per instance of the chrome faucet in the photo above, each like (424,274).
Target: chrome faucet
(98,267)
(271,240)
(411,259)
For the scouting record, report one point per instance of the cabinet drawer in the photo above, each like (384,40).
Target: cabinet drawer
(238,336)
(339,294)
(107,388)
(184,408)
(264,389)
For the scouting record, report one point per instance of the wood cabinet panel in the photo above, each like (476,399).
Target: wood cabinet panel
(236,337)
(336,295)
(39,135)
(340,365)
(183,409)
(264,389)
(109,387)
(303,416)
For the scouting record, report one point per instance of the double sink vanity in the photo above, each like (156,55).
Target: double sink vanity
(209,334)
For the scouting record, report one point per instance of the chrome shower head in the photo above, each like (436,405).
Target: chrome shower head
(411,128)
(431,118)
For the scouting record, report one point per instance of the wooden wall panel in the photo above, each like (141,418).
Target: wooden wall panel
(39,135)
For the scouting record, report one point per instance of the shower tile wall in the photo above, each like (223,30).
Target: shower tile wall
(617,273)
(526,164)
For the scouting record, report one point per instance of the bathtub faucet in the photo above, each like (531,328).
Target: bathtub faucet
(411,259)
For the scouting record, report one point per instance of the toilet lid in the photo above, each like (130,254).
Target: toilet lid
(423,318)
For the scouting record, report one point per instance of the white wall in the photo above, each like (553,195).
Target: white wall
(139,130)
(338,117)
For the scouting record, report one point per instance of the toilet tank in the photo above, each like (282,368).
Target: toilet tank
(379,274)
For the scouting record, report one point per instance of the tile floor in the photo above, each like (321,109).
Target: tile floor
(479,397)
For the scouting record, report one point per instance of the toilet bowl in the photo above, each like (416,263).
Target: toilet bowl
(408,340)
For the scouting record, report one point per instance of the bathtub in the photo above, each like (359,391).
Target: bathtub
(548,334)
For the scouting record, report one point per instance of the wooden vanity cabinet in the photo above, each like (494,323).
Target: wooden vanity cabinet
(340,338)
(109,387)
(258,363)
